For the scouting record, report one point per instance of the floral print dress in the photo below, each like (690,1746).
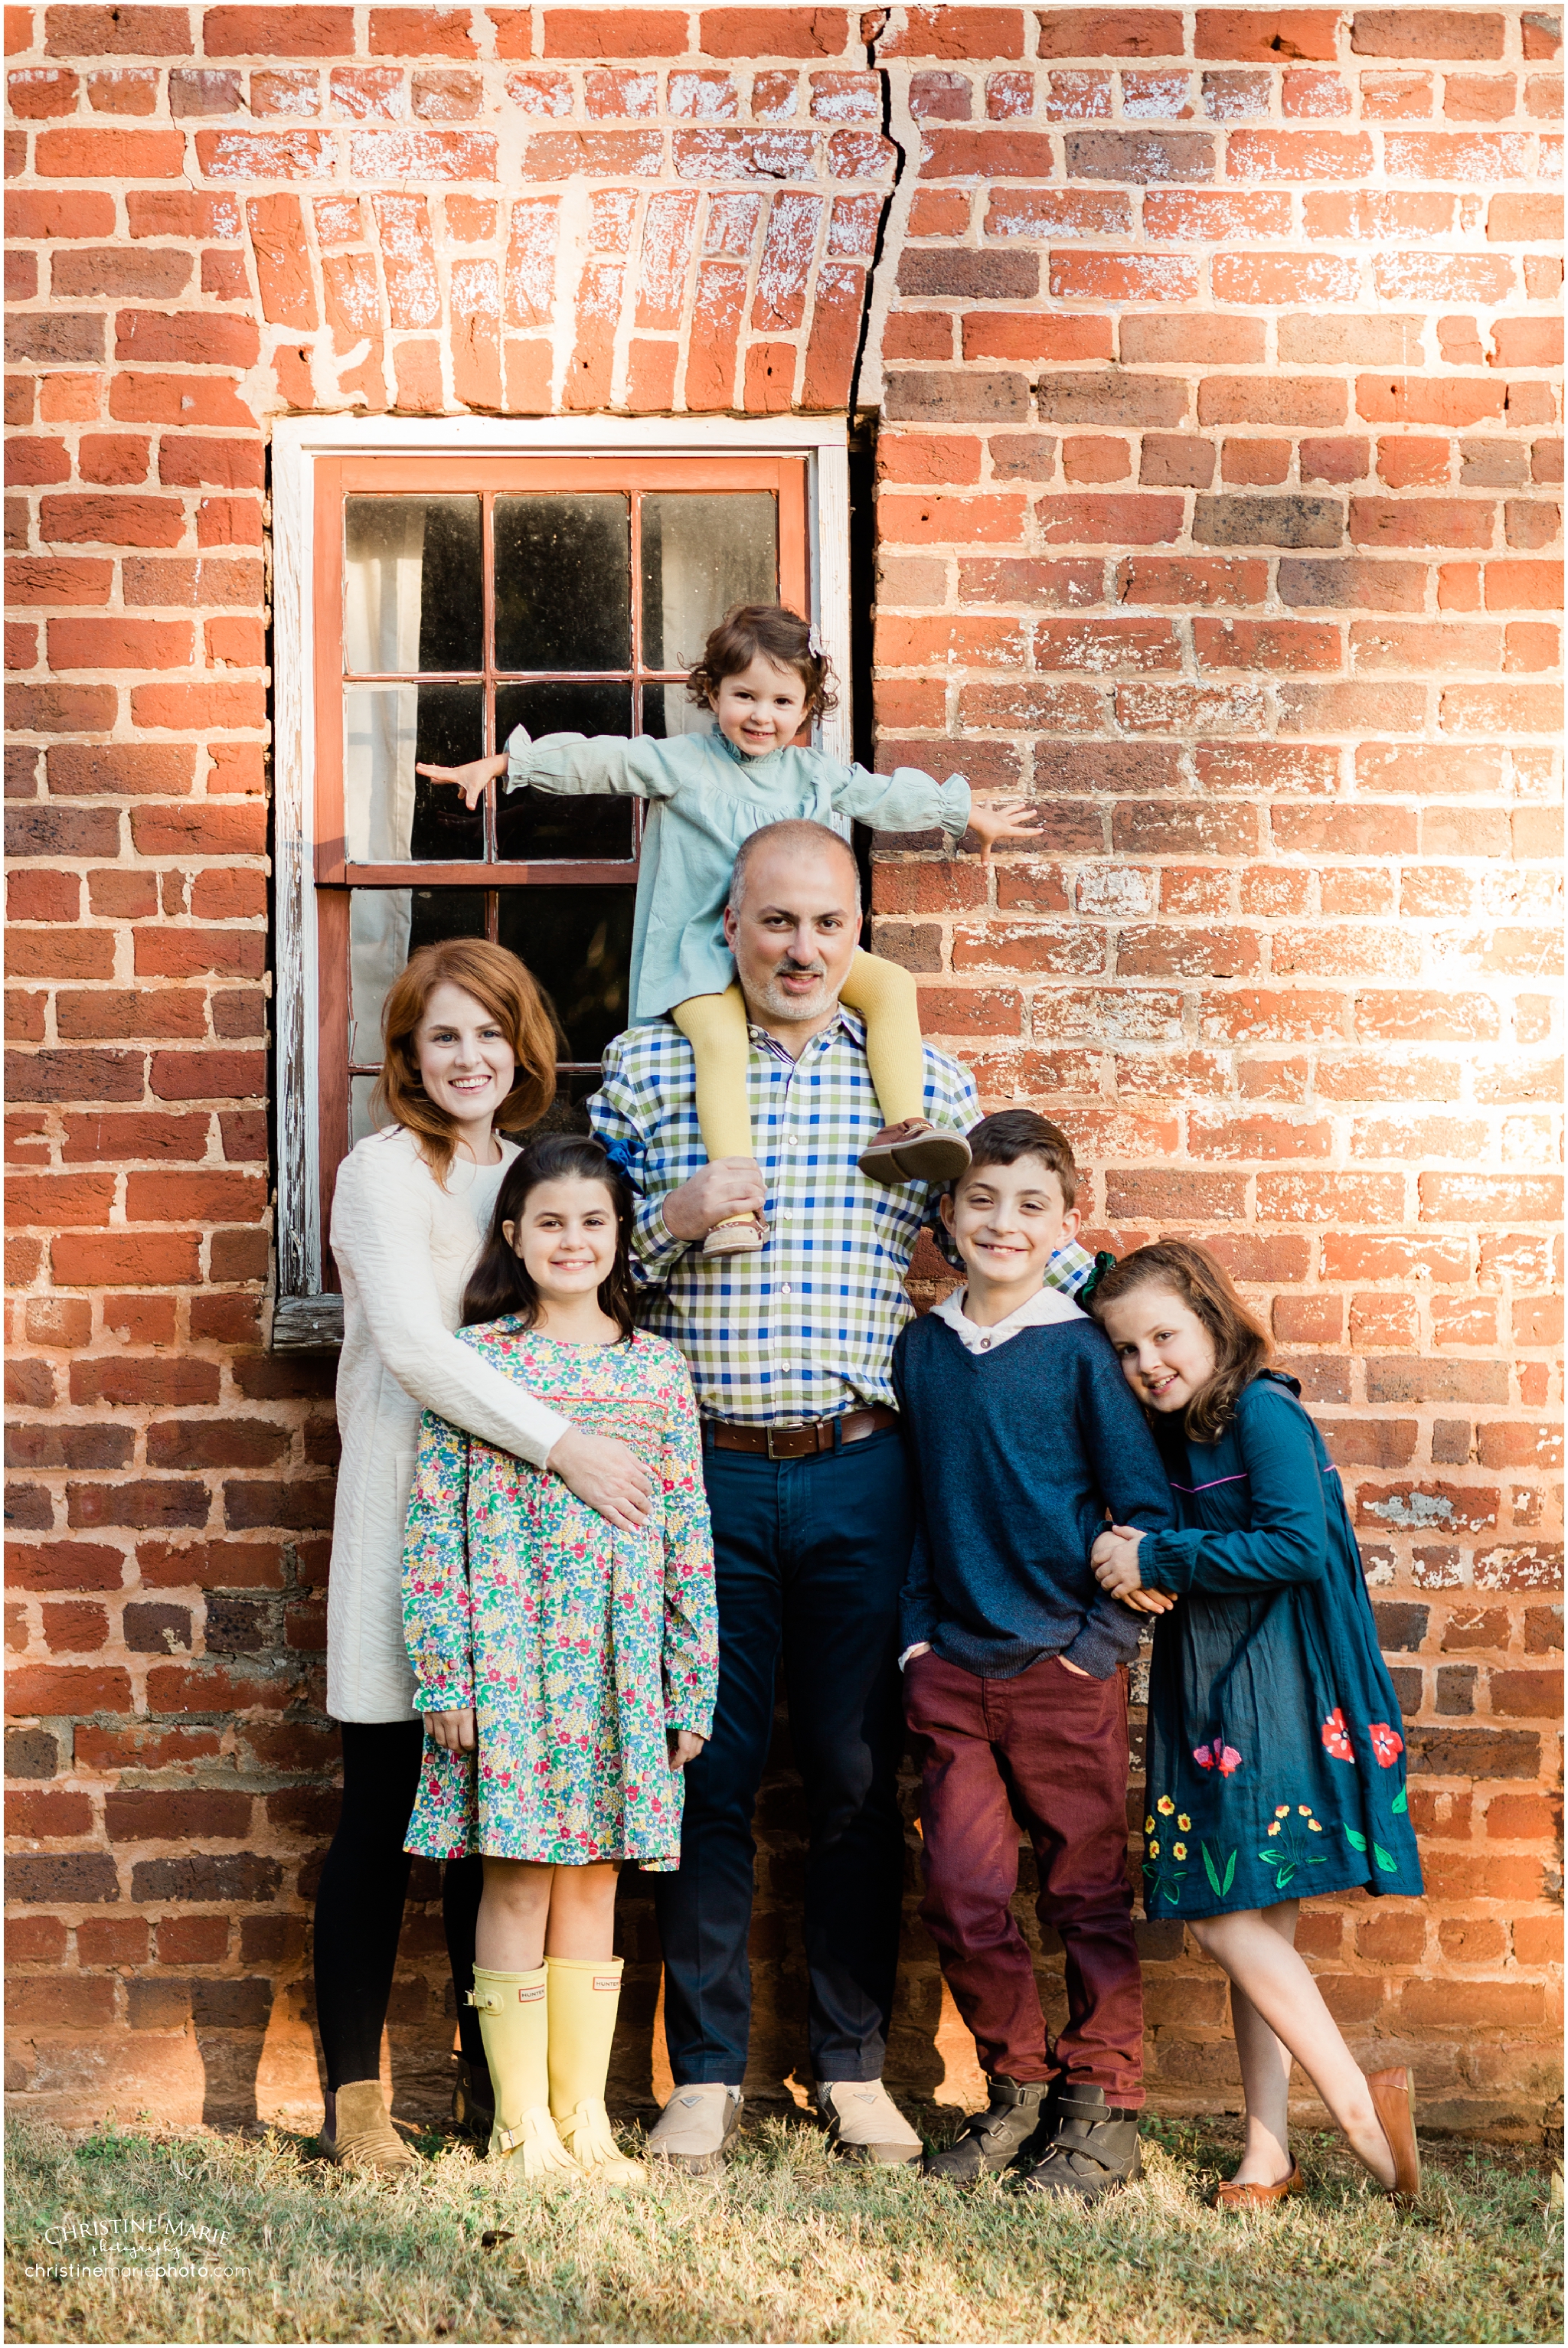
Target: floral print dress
(1276,1753)
(577,1645)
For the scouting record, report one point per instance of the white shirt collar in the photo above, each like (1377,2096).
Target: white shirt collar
(1046,1306)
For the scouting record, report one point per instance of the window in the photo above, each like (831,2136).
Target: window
(428,603)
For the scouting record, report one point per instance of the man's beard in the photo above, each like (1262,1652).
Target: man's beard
(771,999)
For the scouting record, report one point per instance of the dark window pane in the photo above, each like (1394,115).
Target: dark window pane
(391,815)
(669,709)
(531,824)
(700,556)
(578,944)
(412,591)
(384,927)
(562,582)
(567,1112)
(451,732)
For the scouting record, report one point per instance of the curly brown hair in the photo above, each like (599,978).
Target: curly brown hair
(1241,1347)
(780,635)
(506,988)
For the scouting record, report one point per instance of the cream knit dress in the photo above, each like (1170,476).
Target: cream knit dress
(404,1247)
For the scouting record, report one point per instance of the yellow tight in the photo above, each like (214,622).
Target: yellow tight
(883,995)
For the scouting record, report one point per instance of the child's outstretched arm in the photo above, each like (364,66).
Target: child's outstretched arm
(570,765)
(437,1610)
(911,800)
(691,1610)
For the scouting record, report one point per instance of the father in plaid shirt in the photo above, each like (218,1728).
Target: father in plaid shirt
(790,1350)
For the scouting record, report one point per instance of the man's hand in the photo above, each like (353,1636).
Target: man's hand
(683,1746)
(725,1186)
(1077,1670)
(607,1474)
(989,824)
(453,1731)
(469,779)
(1114,1563)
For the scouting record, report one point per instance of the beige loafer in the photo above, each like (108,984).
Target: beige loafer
(863,2123)
(697,2127)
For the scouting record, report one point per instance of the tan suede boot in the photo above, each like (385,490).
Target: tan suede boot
(362,2135)
(514,2023)
(584,1998)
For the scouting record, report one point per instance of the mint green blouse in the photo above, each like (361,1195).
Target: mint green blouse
(704,798)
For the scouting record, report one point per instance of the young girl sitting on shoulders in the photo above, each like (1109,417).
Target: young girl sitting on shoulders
(566,1672)
(1275,1752)
(763,676)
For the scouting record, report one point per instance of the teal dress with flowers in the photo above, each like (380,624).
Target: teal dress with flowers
(1276,1753)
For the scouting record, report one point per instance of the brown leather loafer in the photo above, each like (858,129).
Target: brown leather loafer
(1394,2101)
(1258,2197)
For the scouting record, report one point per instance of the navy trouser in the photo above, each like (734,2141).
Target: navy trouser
(810,1555)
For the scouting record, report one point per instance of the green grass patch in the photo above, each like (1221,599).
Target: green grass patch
(788,2244)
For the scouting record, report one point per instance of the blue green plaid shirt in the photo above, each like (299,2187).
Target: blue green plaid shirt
(804,1327)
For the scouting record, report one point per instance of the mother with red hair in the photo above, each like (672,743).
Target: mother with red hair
(469,1045)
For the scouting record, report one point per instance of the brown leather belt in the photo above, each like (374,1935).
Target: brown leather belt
(801,1441)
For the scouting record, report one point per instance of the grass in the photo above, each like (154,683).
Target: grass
(788,2245)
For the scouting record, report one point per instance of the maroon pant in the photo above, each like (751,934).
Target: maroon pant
(1049,1750)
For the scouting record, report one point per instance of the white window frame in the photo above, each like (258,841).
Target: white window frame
(303,1316)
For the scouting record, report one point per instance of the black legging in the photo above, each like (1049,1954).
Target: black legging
(359,1906)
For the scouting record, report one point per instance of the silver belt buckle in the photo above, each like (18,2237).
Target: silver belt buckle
(783,1426)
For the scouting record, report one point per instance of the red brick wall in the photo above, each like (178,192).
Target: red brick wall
(1217,510)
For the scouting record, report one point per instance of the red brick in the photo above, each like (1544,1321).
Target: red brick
(120,644)
(420,33)
(1110,33)
(1425,33)
(48,1691)
(111,521)
(89,153)
(153,1259)
(280,32)
(1086,520)
(777,32)
(614,33)
(1266,36)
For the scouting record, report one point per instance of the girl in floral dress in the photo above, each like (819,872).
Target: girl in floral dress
(1275,1747)
(566,1669)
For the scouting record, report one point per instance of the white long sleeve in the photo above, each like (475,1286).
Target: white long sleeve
(382,1230)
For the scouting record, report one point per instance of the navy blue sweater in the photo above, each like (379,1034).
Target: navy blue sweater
(1015,1457)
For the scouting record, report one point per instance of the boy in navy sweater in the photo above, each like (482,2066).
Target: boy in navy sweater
(1022,1432)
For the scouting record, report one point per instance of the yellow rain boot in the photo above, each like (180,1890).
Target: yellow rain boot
(585,1997)
(513,2014)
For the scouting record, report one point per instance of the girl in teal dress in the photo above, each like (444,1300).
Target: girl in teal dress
(566,1669)
(1276,1754)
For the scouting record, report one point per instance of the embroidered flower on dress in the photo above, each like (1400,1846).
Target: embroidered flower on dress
(1149,1825)
(1178,1850)
(1185,1823)
(1282,1811)
(1219,1755)
(1154,1850)
(1386,1743)
(1336,1736)
(1165,1805)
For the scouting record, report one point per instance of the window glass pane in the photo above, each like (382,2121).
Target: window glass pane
(700,555)
(668,709)
(384,927)
(562,582)
(390,815)
(578,944)
(412,592)
(531,824)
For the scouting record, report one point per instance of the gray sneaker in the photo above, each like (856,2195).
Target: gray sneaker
(697,2127)
(864,2123)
